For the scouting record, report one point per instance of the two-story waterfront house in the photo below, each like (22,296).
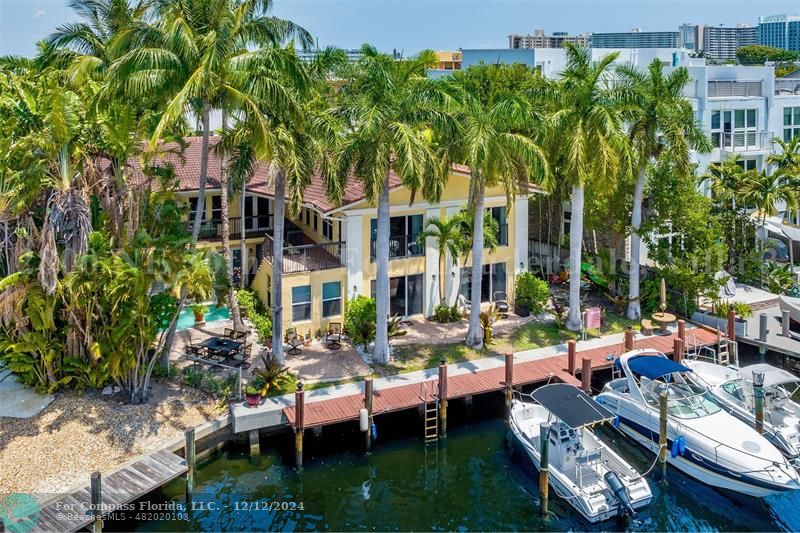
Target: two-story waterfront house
(329,250)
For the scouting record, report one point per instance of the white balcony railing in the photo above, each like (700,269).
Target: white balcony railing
(745,141)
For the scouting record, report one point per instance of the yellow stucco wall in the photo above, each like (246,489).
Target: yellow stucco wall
(454,196)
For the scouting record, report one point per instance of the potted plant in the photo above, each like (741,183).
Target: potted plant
(318,334)
(532,294)
(199,311)
(253,395)
(307,339)
(272,376)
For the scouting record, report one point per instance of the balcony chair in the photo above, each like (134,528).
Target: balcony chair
(464,304)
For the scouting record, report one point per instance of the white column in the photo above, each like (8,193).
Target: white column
(353,229)
(521,235)
(452,272)
(431,268)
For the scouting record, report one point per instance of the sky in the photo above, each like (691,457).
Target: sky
(411,25)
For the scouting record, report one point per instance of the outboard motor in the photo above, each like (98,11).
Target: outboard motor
(620,493)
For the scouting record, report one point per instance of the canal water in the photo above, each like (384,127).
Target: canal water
(476,480)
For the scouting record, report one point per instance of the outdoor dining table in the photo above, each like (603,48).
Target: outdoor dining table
(221,346)
(663,319)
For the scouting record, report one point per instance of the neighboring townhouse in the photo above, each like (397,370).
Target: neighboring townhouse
(329,250)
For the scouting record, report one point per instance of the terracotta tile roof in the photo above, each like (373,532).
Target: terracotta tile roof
(187,171)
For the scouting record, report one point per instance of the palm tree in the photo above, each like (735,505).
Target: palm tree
(588,126)
(107,28)
(495,139)
(766,192)
(787,160)
(660,120)
(384,106)
(199,53)
(725,179)
(446,232)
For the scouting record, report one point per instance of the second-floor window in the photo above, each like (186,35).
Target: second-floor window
(734,129)
(499,214)
(791,123)
(403,232)
(327,229)
(193,209)
(216,208)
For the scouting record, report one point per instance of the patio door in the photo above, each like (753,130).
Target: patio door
(493,279)
(405,295)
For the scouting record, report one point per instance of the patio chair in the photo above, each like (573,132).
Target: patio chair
(464,304)
(501,303)
(294,341)
(195,350)
(333,340)
(242,357)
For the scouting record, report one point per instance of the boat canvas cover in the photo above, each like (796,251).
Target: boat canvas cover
(772,375)
(654,367)
(571,405)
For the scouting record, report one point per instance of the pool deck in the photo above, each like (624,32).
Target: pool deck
(341,403)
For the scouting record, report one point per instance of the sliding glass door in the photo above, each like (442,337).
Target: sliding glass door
(493,279)
(405,295)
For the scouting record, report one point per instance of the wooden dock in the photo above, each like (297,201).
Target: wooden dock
(132,481)
(386,400)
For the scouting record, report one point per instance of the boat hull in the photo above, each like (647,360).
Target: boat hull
(562,485)
(692,465)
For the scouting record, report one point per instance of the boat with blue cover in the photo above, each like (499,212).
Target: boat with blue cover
(705,441)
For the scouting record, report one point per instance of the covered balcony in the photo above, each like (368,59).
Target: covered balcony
(302,254)
(254,226)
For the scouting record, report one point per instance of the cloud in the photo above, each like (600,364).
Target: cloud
(39,14)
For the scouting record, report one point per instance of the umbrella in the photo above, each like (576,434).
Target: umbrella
(663,295)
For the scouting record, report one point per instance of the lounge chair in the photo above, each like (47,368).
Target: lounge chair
(464,305)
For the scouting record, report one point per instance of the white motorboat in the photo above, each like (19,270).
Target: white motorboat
(597,482)
(733,389)
(717,448)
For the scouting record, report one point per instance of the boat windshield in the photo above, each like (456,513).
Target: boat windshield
(685,398)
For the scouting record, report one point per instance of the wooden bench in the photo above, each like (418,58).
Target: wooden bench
(647,327)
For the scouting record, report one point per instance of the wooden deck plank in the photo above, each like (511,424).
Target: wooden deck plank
(122,486)
(335,410)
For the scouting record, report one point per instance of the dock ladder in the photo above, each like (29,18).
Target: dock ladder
(430,411)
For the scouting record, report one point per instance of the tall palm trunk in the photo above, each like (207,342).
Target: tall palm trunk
(474,333)
(277,268)
(201,193)
(381,354)
(634,306)
(575,242)
(245,268)
(233,304)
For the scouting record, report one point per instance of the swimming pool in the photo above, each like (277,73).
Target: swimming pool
(186,318)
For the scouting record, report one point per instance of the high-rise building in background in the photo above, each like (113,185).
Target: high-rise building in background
(688,37)
(780,31)
(720,43)
(637,39)
(539,39)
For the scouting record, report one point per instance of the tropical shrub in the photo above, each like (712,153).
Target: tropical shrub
(360,320)
(532,292)
(487,320)
(741,309)
(777,278)
(446,313)
(272,376)
(263,328)
(249,303)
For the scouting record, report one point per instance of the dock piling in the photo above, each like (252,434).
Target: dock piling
(368,384)
(629,339)
(572,356)
(758,396)
(299,404)
(442,398)
(586,375)
(544,466)
(189,455)
(682,330)
(762,327)
(509,382)
(731,325)
(662,433)
(785,323)
(677,350)
(97,502)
